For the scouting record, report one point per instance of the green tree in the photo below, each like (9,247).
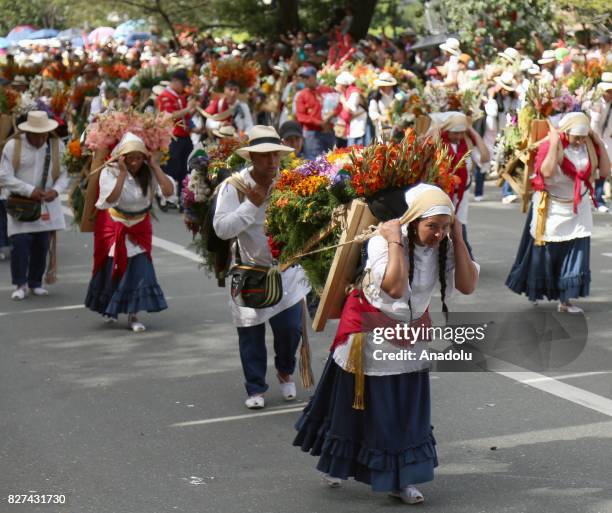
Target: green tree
(481,24)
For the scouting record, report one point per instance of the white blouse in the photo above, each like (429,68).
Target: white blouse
(561,223)
(418,296)
(131,199)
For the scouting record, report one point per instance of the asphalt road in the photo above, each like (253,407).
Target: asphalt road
(155,422)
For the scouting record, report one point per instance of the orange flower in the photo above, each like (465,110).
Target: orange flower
(74,147)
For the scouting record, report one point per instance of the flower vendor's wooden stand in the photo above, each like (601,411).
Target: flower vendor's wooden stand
(91,195)
(343,266)
(522,185)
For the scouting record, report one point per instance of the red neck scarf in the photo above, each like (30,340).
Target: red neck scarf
(460,170)
(108,232)
(359,316)
(582,176)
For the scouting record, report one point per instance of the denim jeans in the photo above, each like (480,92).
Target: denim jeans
(4,242)
(287,330)
(29,258)
(507,190)
(479,180)
(599,192)
(354,141)
(317,142)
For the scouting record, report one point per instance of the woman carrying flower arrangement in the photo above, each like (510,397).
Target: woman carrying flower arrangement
(370,417)
(467,150)
(554,253)
(124,280)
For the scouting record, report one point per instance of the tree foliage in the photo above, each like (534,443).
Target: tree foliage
(482,22)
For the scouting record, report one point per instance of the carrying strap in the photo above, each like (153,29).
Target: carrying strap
(54,157)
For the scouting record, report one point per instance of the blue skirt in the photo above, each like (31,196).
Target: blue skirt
(389,445)
(136,291)
(557,270)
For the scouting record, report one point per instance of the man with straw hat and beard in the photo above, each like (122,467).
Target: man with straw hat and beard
(240,215)
(31,168)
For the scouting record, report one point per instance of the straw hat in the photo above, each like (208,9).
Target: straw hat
(345,79)
(534,69)
(526,64)
(511,55)
(38,123)
(506,80)
(547,57)
(263,139)
(606,81)
(385,79)
(130,143)
(19,80)
(225,132)
(157,90)
(452,46)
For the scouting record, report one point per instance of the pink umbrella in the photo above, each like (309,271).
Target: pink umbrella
(101,35)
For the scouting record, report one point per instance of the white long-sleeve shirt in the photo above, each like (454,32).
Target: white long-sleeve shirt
(244,221)
(29,177)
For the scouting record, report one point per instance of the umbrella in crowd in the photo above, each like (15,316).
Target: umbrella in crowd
(101,35)
(47,33)
(20,32)
(130,27)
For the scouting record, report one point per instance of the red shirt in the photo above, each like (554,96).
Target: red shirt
(309,105)
(217,106)
(170,101)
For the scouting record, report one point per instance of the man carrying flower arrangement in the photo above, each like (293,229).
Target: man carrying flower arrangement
(240,214)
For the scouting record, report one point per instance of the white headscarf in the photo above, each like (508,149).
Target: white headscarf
(436,210)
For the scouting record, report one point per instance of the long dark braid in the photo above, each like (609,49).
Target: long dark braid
(412,235)
(442,255)
(143,177)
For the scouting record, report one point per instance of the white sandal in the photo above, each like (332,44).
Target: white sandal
(409,495)
(287,389)
(135,325)
(569,308)
(332,482)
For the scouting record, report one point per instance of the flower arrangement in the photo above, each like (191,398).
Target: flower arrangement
(151,76)
(118,71)
(59,101)
(307,196)
(9,100)
(154,129)
(82,91)
(402,164)
(74,157)
(244,72)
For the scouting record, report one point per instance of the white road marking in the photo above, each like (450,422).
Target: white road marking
(39,310)
(236,417)
(570,393)
(171,247)
(567,376)
(607,254)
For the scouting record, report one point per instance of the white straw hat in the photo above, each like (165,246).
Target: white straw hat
(547,57)
(385,79)
(225,131)
(510,54)
(452,46)
(38,122)
(506,80)
(606,81)
(345,78)
(263,139)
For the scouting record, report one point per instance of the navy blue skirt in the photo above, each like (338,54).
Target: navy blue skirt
(557,270)
(136,291)
(389,445)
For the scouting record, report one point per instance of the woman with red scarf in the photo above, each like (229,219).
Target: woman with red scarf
(123,278)
(554,253)
(370,416)
(466,148)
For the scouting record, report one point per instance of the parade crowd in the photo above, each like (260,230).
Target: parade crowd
(121,129)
